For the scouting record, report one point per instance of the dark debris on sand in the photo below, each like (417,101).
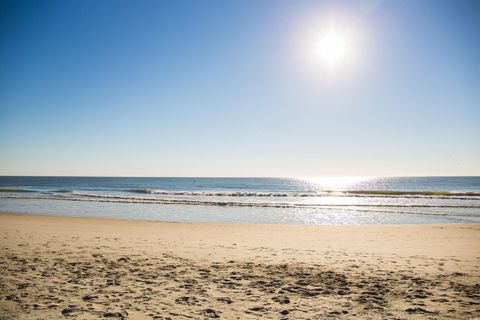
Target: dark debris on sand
(170,287)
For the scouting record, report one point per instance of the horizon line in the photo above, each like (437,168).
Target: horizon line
(249,177)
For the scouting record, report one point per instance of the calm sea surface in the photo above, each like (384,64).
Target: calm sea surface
(250,200)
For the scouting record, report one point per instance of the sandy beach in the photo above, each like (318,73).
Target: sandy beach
(88,268)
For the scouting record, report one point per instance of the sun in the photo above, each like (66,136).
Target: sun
(333,48)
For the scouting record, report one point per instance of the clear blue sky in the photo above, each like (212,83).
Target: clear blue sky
(215,88)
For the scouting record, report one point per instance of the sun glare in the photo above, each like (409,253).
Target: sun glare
(333,48)
(334,183)
(334,44)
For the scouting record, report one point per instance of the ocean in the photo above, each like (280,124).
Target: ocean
(322,200)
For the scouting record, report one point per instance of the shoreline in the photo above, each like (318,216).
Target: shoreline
(82,267)
(107,218)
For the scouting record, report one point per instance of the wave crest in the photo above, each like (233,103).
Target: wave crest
(348,193)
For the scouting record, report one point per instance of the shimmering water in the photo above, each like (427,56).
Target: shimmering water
(250,200)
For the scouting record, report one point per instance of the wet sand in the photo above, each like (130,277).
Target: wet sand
(90,268)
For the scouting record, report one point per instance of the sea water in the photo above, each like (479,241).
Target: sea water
(322,200)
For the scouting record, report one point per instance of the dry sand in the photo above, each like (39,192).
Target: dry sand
(84,268)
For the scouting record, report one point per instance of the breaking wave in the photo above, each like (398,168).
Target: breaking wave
(348,193)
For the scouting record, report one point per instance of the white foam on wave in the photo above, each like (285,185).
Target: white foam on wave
(326,193)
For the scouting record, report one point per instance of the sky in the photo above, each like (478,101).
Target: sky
(232,88)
